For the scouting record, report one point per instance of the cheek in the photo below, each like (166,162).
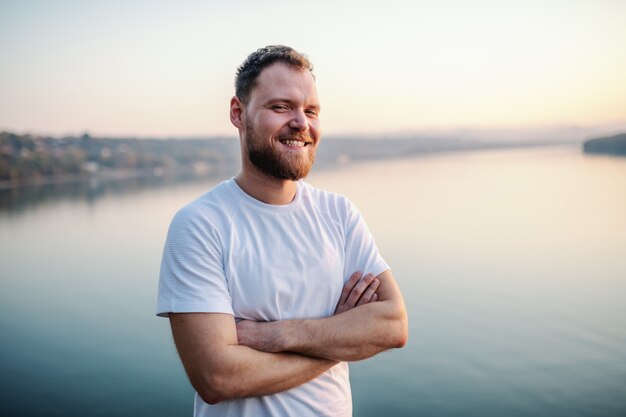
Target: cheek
(315,129)
(274,125)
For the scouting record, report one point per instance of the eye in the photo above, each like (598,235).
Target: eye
(312,113)
(280,107)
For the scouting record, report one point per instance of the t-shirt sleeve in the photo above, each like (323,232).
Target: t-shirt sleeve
(192,278)
(361,251)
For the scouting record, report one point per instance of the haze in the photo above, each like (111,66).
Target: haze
(159,69)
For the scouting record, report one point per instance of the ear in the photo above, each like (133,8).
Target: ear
(236,112)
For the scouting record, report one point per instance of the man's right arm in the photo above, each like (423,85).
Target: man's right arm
(219,369)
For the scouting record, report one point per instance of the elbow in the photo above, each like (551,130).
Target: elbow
(400,331)
(210,397)
(401,339)
(214,389)
(210,394)
(396,326)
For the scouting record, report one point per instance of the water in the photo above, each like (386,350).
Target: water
(512,264)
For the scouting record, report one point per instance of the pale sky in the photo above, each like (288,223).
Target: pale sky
(165,68)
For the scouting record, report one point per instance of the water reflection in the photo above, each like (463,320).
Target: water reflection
(512,264)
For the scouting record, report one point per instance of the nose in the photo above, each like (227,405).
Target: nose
(299,121)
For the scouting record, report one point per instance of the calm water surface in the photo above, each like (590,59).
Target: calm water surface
(512,263)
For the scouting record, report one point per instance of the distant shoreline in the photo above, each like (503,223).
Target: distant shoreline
(338,159)
(109,175)
(612,145)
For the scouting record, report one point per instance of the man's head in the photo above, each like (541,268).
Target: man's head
(256,62)
(276,111)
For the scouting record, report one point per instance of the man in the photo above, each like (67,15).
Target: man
(258,275)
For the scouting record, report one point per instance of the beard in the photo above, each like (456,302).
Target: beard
(280,165)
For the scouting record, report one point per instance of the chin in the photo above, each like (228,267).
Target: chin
(281,164)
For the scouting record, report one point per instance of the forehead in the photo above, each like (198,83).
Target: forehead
(280,80)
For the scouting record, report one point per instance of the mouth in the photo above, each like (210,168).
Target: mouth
(294,143)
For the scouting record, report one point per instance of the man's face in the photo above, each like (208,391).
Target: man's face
(281,125)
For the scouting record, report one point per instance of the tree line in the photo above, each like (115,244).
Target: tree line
(29,157)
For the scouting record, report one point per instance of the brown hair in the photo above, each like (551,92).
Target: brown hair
(256,62)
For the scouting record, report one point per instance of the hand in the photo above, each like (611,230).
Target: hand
(357,291)
(263,336)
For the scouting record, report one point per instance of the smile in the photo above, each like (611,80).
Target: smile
(295,143)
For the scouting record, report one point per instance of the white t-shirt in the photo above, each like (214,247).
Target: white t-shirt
(227,252)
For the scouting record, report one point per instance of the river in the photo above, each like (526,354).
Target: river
(512,264)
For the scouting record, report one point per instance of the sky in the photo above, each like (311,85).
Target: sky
(166,69)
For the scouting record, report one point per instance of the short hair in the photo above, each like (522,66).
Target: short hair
(257,61)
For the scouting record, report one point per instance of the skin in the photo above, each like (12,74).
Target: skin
(355,334)
(284,101)
(226,360)
(219,368)
(357,291)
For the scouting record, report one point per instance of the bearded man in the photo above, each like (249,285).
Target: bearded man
(271,285)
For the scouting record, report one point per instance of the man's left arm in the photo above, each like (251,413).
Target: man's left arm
(352,335)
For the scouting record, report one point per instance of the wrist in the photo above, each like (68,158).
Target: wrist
(285,335)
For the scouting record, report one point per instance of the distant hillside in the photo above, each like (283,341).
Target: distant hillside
(613,145)
(43,159)
(29,158)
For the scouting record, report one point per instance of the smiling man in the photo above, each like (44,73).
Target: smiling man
(270,284)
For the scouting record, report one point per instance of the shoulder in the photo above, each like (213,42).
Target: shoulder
(336,205)
(211,210)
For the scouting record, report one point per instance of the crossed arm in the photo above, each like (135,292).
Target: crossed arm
(225,360)
(219,369)
(354,334)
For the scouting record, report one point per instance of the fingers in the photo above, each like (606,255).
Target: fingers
(348,287)
(369,293)
(360,288)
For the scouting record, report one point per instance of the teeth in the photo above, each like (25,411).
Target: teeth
(293,142)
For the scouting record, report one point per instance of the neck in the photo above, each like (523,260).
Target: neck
(266,189)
